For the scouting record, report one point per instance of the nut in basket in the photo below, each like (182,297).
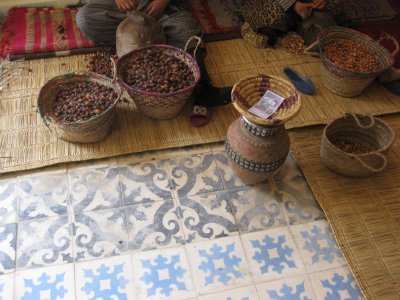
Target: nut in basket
(159,78)
(79,107)
(355,145)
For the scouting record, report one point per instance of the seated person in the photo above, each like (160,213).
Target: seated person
(99,21)
(274,18)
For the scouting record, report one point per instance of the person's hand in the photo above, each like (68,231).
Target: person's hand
(126,5)
(157,7)
(319,4)
(304,10)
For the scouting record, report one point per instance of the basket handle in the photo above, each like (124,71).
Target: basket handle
(387,36)
(312,53)
(358,121)
(367,166)
(199,41)
(114,68)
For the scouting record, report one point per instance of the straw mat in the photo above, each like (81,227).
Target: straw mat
(25,143)
(229,61)
(364,213)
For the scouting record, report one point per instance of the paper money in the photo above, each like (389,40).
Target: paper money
(268,104)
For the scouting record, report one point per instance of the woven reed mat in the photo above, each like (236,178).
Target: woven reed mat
(364,213)
(229,61)
(25,143)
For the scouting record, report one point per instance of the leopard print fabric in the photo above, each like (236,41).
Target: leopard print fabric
(265,14)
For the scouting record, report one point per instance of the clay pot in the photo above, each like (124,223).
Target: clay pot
(256,151)
(138,30)
(258,147)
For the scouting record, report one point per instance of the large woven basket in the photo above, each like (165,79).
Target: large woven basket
(249,91)
(366,130)
(253,38)
(344,81)
(156,105)
(87,131)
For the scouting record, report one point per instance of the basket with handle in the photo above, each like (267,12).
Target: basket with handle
(87,131)
(345,81)
(368,131)
(161,105)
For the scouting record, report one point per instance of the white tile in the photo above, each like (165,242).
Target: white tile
(207,216)
(256,208)
(218,265)
(162,274)
(317,246)
(7,286)
(243,293)
(298,287)
(110,278)
(272,254)
(337,283)
(8,201)
(45,283)
(154,225)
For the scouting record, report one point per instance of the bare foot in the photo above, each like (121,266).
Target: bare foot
(390,74)
(304,10)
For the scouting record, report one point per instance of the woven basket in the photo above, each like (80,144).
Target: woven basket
(344,81)
(87,131)
(254,39)
(250,90)
(368,131)
(156,105)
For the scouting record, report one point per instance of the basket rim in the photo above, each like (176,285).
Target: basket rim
(85,75)
(337,120)
(258,120)
(130,88)
(361,35)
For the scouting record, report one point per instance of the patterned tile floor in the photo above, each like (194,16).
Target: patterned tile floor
(173,224)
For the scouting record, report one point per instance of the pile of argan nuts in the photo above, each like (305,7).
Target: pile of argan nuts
(100,62)
(81,101)
(351,147)
(351,55)
(154,71)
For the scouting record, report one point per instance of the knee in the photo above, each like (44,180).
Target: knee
(83,20)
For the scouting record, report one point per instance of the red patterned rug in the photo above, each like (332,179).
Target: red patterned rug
(42,32)
(217,18)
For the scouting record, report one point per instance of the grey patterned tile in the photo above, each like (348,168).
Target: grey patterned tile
(207,216)
(154,225)
(44,195)
(44,242)
(187,150)
(290,170)
(256,208)
(94,189)
(99,234)
(298,201)
(8,201)
(145,182)
(230,180)
(195,174)
(8,238)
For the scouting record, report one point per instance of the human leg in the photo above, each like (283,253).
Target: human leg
(99,20)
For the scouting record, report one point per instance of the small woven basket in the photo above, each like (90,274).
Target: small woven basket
(365,130)
(87,131)
(344,81)
(248,91)
(254,39)
(156,105)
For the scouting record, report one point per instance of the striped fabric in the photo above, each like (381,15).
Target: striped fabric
(286,4)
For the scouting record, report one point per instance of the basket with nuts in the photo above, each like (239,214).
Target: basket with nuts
(351,60)
(79,107)
(159,79)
